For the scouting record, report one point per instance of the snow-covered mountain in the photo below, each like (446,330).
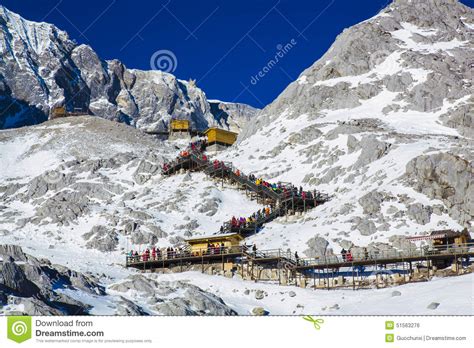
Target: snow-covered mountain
(411,66)
(384,122)
(380,123)
(41,67)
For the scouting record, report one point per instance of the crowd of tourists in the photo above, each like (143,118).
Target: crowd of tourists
(198,145)
(250,221)
(347,255)
(157,254)
(154,253)
(287,190)
(196,148)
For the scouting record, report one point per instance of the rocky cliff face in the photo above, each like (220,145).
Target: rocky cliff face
(41,67)
(234,116)
(39,287)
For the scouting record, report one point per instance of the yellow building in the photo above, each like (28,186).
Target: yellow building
(442,238)
(450,237)
(199,245)
(180,125)
(58,111)
(220,136)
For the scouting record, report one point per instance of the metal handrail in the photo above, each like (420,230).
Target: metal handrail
(184,254)
(287,256)
(228,168)
(451,249)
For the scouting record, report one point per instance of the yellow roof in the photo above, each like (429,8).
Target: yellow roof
(214,237)
(220,130)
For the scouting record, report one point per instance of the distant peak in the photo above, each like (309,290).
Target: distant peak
(409,2)
(424,4)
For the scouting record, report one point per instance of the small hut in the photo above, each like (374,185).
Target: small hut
(219,139)
(203,244)
(179,128)
(58,112)
(180,125)
(62,111)
(443,238)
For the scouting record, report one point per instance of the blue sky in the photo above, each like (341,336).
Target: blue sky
(220,43)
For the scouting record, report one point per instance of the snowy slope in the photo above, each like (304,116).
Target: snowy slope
(413,299)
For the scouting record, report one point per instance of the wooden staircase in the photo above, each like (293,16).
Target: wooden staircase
(283,201)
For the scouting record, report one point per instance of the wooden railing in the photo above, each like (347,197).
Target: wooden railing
(282,199)
(384,255)
(229,171)
(328,261)
(187,253)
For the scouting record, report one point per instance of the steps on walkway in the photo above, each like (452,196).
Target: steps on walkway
(288,200)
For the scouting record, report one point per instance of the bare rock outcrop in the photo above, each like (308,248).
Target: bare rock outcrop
(37,285)
(447,177)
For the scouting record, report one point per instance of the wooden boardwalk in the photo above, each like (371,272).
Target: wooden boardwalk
(246,255)
(389,257)
(276,262)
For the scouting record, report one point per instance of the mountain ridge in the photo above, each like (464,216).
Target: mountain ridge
(42,67)
(358,50)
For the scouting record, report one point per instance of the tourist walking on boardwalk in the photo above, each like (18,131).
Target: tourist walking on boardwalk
(343,254)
